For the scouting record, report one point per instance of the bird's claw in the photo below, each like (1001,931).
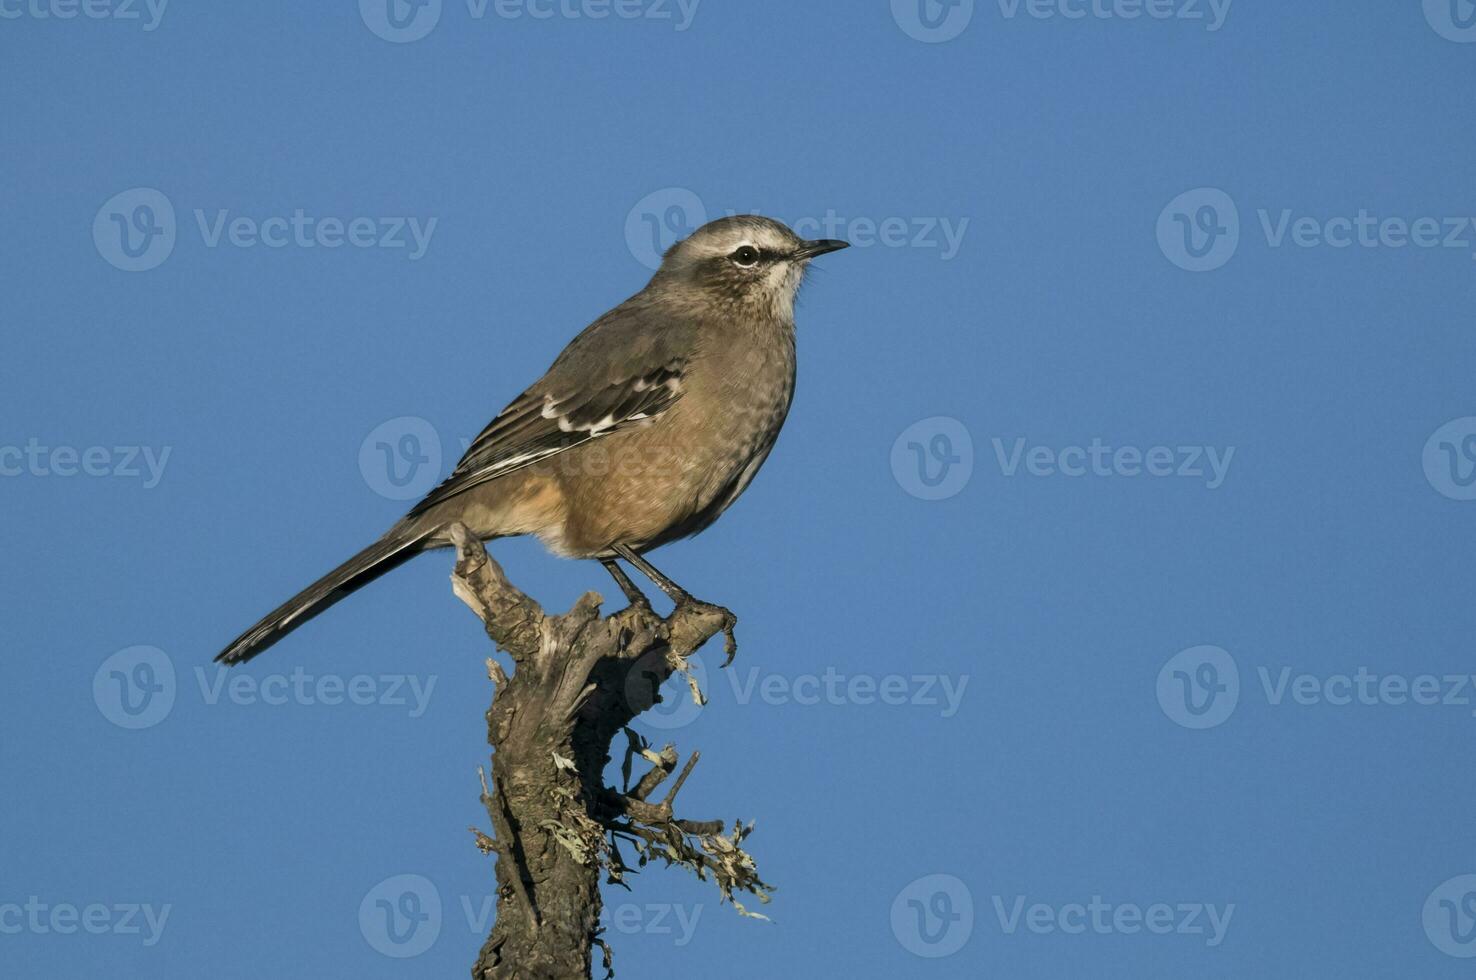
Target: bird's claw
(730,622)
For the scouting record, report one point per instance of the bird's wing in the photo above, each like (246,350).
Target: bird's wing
(622,371)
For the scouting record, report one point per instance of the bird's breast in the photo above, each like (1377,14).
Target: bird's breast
(673,477)
(728,430)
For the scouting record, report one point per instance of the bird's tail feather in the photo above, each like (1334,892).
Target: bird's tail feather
(389,552)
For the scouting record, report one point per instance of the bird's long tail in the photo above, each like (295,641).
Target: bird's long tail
(389,552)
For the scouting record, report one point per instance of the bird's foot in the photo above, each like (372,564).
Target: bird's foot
(686,605)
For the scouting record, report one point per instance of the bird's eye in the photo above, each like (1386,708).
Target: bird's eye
(746,256)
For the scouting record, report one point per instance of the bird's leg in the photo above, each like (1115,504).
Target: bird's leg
(682,597)
(636,597)
(673,591)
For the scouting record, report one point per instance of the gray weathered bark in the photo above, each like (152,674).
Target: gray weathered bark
(578,681)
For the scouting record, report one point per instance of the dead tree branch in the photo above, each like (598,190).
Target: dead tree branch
(578,680)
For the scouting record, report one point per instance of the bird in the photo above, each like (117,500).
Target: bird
(644,430)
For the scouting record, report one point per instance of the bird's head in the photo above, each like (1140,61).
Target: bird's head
(743,261)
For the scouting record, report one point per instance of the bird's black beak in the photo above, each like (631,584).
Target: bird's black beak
(819,246)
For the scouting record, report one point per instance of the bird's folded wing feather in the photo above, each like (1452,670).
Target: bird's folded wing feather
(606,380)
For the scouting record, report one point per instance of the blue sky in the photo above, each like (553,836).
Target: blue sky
(1104,606)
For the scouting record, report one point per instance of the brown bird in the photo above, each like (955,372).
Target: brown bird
(644,430)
